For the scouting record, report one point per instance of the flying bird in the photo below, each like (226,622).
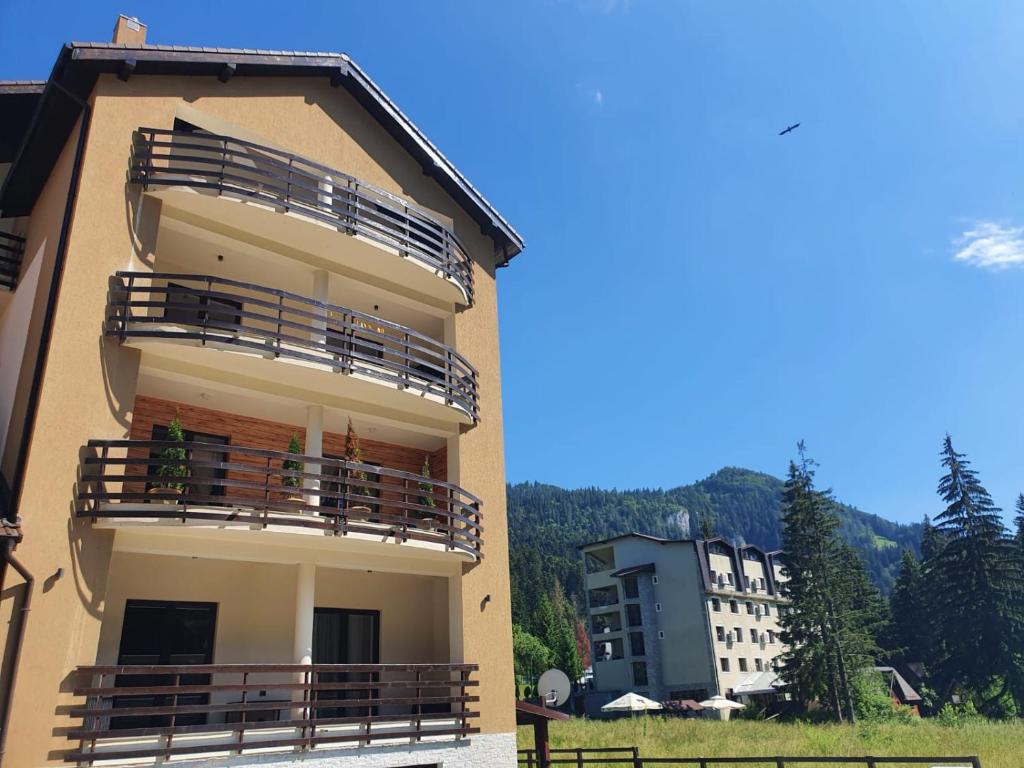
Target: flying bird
(790,129)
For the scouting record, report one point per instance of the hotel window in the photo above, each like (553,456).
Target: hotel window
(720,634)
(738,633)
(771,636)
(761,583)
(728,578)
(734,606)
(759,665)
(714,576)
(767,611)
(725,664)
(633,616)
(636,644)
(716,605)
(743,665)
(753,635)
(630,587)
(661,635)
(654,579)
(639,673)
(750,608)
(657,607)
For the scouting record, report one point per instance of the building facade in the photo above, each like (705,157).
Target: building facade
(250,413)
(682,619)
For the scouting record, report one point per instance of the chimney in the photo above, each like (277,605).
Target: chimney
(129,31)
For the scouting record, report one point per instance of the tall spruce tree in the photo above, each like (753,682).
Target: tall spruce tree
(909,611)
(975,583)
(1019,520)
(833,607)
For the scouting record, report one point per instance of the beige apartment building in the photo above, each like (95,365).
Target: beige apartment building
(250,418)
(678,619)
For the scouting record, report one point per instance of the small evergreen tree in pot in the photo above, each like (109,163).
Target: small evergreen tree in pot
(292,465)
(427,499)
(173,467)
(354,454)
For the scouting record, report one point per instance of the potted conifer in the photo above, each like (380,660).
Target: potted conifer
(293,465)
(173,467)
(354,454)
(426,499)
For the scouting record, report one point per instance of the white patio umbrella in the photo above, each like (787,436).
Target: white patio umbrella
(631,702)
(721,706)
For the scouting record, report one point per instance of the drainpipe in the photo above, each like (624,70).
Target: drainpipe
(7,551)
(7,548)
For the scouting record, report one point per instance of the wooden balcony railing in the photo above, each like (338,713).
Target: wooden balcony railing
(235,485)
(12,248)
(152,713)
(275,323)
(162,158)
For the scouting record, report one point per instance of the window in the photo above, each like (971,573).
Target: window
(639,673)
(738,633)
(716,605)
(654,579)
(743,665)
(750,608)
(767,612)
(661,635)
(759,665)
(630,587)
(636,644)
(657,607)
(720,634)
(728,578)
(714,576)
(771,636)
(725,664)
(746,582)
(633,618)
(350,485)
(753,635)
(603,596)
(734,606)
(761,582)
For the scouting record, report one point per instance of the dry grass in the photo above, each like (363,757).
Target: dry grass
(1000,745)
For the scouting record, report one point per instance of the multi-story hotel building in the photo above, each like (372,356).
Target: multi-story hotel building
(250,415)
(677,619)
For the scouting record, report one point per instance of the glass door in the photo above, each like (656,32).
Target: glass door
(342,636)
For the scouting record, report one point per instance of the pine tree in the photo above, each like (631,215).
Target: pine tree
(833,608)
(293,465)
(706,526)
(354,455)
(976,582)
(909,611)
(1019,520)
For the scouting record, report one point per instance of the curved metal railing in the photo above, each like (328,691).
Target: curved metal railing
(251,486)
(255,172)
(208,309)
(12,248)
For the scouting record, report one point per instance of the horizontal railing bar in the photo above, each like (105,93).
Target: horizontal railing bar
(180,690)
(123,733)
(197,669)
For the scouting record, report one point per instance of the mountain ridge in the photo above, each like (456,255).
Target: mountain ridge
(547,523)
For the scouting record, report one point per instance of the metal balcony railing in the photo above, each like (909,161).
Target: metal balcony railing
(12,248)
(199,160)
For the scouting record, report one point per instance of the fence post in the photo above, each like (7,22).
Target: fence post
(976,762)
(579,757)
(637,762)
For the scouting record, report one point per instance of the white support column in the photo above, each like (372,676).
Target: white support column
(314,447)
(305,592)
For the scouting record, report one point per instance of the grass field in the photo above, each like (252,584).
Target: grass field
(1000,745)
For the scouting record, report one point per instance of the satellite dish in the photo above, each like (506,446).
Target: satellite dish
(553,686)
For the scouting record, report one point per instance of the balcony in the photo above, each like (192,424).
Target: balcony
(218,487)
(12,248)
(149,714)
(194,318)
(393,238)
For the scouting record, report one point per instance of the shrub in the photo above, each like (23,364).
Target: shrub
(173,458)
(292,465)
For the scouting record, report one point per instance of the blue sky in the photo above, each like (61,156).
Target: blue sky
(696,290)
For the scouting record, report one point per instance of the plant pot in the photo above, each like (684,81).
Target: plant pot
(162,495)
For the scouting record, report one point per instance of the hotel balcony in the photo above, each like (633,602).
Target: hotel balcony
(267,336)
(12,248)
(151,713)
(232,492)
(238,186)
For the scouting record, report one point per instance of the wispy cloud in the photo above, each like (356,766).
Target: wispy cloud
(989,245)
(598,97)
(605,7)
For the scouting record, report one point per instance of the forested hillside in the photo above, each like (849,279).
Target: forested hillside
(548,523)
